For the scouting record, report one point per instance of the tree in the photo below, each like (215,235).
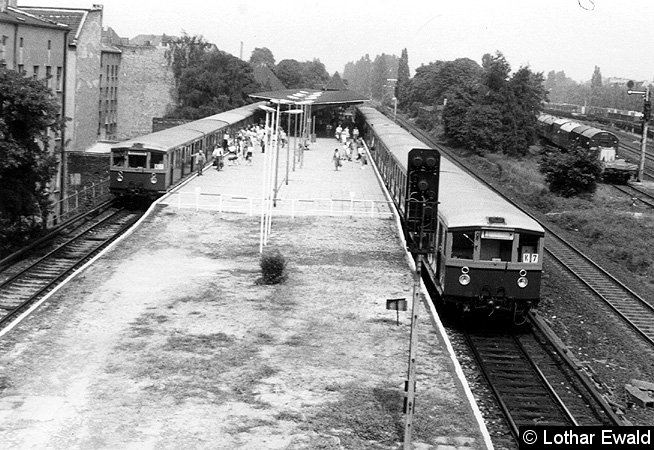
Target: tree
(573,172)
(28,109)
(314,74)
(289,72)
(358,75)
(403,78)
(219,82)
(185,51)
(262,56)
(379,77)
(595,87)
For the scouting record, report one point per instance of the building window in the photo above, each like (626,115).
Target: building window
(21,43)
(21,69)
(48,76)
(49,44)
(59,74)
(35,75)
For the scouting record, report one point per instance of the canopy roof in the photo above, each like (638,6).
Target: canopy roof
(311,96)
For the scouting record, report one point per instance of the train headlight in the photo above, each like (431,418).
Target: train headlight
(522,282)
(153,178)
(464,279)
(119,177)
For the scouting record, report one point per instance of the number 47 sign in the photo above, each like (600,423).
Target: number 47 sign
(530,257)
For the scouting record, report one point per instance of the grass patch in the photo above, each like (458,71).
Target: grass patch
(364,418)
(198,343)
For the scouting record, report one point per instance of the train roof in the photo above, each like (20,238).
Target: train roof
(169,138)
(463,200)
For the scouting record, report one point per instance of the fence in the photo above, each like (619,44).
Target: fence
(283,206)
(79,201)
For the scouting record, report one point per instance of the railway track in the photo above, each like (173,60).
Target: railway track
(631,307)
(534,383)
(636,194)
(21,289)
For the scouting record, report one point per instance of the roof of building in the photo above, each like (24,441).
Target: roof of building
(336,83)
(72,17)
(266,77)
(311,96)
(20,16)
(151,39)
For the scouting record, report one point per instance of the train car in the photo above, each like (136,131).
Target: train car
(567,134)
(487,254)
(148,166)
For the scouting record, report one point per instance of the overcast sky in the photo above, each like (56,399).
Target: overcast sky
(569,35)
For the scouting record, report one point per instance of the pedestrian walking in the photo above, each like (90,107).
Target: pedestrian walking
(217,157)
(249,152)
(200,160)
(336,158)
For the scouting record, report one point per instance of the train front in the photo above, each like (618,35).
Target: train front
(137,171)
(494,267)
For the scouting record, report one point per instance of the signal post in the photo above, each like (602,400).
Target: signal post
(421,218)
(647,111)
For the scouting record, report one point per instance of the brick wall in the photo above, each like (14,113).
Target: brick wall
(145,89)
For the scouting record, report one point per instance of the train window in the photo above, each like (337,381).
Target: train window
(156,161)
(528,248)
(118,158)
(136,159)
(463,245)
(495,250)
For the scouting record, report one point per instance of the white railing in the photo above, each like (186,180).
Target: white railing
(283,206)
(75,203)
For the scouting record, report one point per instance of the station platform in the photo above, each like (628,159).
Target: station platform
(168,339)
(310,185)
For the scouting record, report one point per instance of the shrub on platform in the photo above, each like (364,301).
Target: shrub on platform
(273,265)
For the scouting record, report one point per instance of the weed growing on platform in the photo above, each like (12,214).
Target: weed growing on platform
(272,265)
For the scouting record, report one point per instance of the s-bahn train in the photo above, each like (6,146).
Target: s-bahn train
(567,134)
(487,254)
(148,166)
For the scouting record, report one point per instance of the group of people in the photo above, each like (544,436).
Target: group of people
(238,148)
(351,147)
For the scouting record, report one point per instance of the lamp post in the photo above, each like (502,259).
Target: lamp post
(291,113)
(264,182)
(646,115)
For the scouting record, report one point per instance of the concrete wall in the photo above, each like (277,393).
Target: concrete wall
(145,87)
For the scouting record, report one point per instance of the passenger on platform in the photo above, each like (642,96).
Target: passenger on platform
(200,160)
(249,152)
(217,157)
(225,140)
(339,130)
(355,133)
(336,159)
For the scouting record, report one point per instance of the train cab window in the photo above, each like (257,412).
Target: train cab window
(156,161)
(496,245)
(118,158)
(136,159)
(528,248)
(463,245)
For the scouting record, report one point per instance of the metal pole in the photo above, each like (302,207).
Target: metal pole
(295,142)
(288,143)
(263,196)
(413,348)
(643,142)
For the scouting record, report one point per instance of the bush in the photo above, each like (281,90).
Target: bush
(272,265)
(572,173)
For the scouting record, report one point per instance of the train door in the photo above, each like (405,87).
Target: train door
(440,253)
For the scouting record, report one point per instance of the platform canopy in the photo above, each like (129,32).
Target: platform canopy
(312,97)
